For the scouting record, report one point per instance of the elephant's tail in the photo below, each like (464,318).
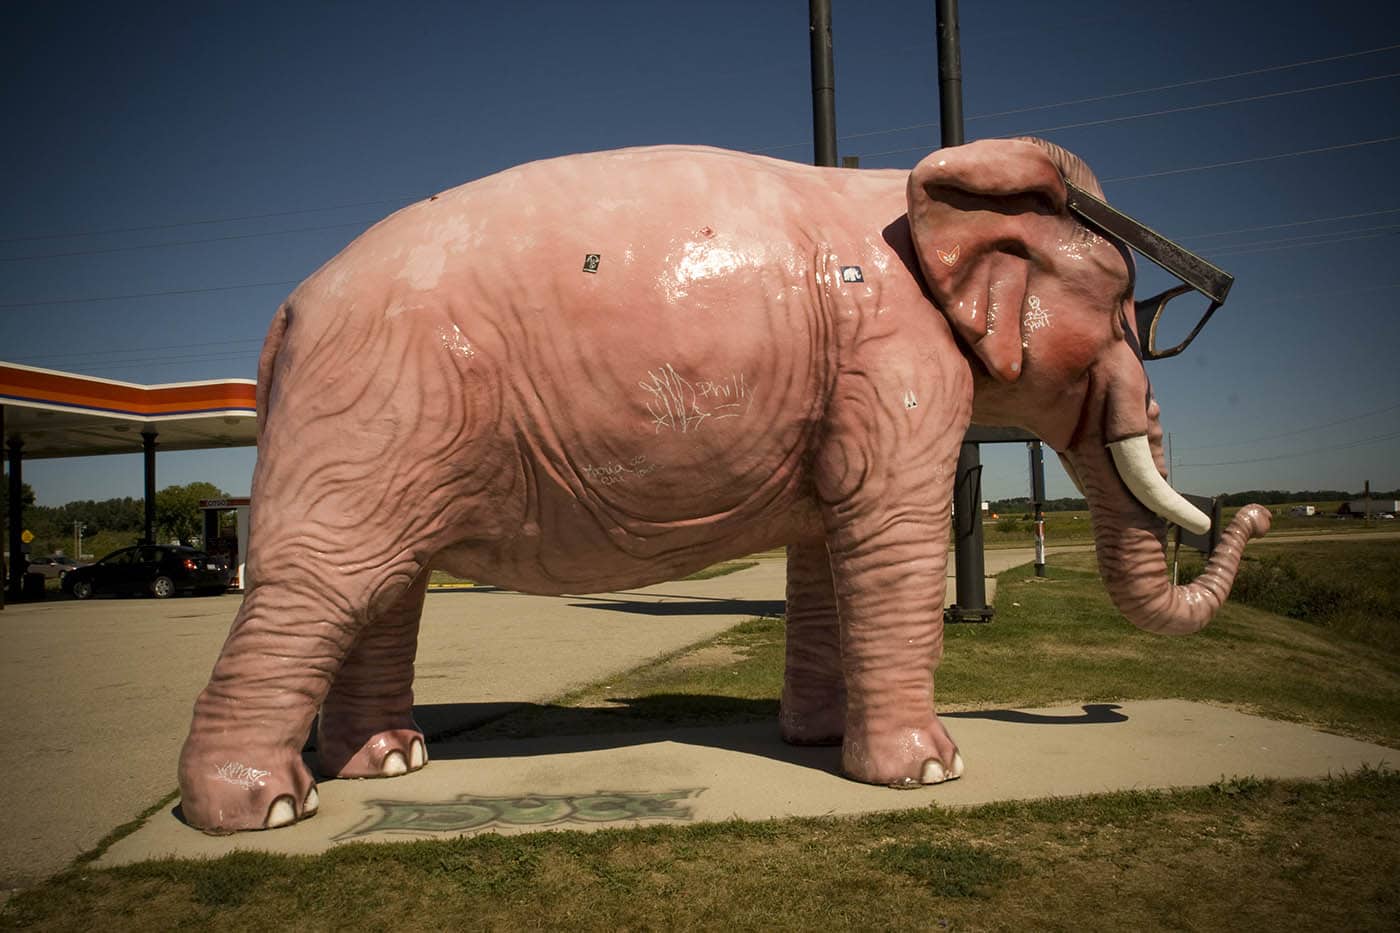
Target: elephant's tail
(267,363)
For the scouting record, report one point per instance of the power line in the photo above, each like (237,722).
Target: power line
(1299,453)
(1282,155)
(1294,433)
(1293,223)
(1167,112)
(178,291)
(187,358)
(1180,84)
(211,220)
(1310,238)
(1101,97)
(31,360)
(216,239)
(143,366)
(1211,105)
(1323,296)
(982,116)
(1247,249)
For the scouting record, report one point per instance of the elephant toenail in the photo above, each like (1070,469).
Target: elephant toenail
(282,813)
(394,765)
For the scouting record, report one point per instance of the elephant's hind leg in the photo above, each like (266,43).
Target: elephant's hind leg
(366,727)
(813,710)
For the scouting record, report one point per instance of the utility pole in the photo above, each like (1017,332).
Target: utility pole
(823,85)
(1038,503)
(970,571)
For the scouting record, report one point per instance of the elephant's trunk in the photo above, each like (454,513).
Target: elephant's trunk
(1131,545)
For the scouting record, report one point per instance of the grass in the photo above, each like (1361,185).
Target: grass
(722,569)
(1242,854)
(442,577)
(1015,529)
(1055,640)
(1349,587)
(1059,637)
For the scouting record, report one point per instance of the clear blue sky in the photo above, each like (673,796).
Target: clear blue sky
(201,159)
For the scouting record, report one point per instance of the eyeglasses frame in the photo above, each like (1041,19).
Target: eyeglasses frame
(1196,273)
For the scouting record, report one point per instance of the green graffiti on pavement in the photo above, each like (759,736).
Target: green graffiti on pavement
(468,813)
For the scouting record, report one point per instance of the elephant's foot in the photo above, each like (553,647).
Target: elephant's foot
(901,757)
(344,752)
(231,790)
(821,722)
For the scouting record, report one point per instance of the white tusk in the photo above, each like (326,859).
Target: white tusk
(1073,476)
(1133,458)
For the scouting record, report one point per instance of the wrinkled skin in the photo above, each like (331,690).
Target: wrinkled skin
(463,388)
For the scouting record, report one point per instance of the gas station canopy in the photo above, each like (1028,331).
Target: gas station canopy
(58,414)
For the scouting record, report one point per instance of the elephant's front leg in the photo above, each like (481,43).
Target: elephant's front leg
(241,766)
(366,727)
(885,477)
(813,710)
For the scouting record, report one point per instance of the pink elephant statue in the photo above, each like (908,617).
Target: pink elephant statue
(610,370)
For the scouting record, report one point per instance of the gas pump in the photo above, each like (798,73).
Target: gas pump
(232,547)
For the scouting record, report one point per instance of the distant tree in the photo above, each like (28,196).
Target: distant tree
(1022,504)
(26,498)
(177,510)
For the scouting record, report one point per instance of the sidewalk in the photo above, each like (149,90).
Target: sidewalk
(96,697)
(746,772)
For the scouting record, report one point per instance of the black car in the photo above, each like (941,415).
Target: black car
(159,570)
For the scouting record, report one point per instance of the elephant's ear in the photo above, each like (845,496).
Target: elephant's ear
(973,212)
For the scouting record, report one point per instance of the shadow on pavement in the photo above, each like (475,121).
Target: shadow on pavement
(455,730)
(1095,714)
(656,604)
(688,607)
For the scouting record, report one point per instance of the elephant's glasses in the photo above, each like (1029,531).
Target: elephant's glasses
(1197,275)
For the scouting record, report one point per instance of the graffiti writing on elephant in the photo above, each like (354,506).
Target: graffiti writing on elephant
(682,405)
(610,474)
(468,813)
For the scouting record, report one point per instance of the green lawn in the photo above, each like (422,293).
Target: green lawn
(1244,854)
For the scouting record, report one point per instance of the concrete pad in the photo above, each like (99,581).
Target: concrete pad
(688,775)
(95,696)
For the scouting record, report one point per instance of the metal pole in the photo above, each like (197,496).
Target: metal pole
(971,604)
(949,73)
(2,437)
(823,85)
(16,446)
(148,439)
(1038,504)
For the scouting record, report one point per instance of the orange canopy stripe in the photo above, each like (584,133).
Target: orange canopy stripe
(42,386)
